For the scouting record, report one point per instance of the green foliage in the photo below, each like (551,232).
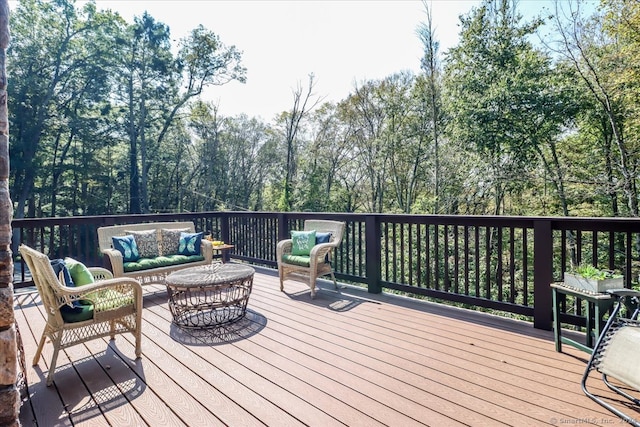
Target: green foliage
(106,117)
(588,271)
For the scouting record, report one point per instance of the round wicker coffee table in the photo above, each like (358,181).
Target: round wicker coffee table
(210,295)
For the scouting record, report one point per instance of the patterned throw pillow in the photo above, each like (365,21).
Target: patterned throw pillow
(127,247)
(170,240)
(190,243)
(147,241)
(303,241)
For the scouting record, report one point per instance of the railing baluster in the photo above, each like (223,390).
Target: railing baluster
(466,260)
(422,254)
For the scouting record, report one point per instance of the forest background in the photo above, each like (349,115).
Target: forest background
(107,119)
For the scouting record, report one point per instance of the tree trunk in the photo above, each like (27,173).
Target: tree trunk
(134,175)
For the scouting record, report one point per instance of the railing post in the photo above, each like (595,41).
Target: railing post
(372,248)
(283,227)
(543,274)
(225,227)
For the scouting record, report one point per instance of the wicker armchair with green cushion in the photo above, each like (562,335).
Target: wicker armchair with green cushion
(95,306)
(309,251)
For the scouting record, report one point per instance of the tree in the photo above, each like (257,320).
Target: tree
(58,58)
(406,144)
(291,122)
(429,94)
(598,50)
(365,119)
(158,86)
(243,140)
(499,95)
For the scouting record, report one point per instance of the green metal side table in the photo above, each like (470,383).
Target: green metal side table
(598,304)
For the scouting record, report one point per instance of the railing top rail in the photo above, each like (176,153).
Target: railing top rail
(557,223)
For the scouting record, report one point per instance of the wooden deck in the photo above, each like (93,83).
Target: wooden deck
(347,358)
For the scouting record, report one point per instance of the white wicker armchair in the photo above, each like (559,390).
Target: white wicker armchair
(113,305)
(319,262)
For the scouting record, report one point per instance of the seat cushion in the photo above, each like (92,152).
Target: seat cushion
(161,261)
(301,260)
(110,299)
(303,241)
(126,245)
(147,242)
(78,313)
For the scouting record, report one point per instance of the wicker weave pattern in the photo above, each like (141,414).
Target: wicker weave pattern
(211,295)
(154,275)
(318,267)
(117,307)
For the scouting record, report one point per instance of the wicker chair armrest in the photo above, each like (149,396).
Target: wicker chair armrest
(206,249)
(284,247)
(319,251)
(118,283)
(100,273)
(116,260)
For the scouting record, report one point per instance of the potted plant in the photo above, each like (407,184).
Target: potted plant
(589,278)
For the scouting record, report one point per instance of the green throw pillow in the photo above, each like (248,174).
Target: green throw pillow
(303,241)
(79,272)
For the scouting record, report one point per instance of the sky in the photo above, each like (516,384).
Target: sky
(342,42)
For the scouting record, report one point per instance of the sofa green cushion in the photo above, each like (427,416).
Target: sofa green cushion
(301,260)
(161,261)
(303,241)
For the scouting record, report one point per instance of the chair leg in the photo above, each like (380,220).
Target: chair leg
(138,335)
(335,284)
(312,285)
(36,358)
(281,274)
(54,358)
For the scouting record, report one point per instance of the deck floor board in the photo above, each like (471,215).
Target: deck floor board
(347,358)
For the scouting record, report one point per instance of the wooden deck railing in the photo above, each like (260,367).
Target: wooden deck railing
(498,263)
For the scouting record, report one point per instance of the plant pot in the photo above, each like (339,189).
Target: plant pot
(592,285)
